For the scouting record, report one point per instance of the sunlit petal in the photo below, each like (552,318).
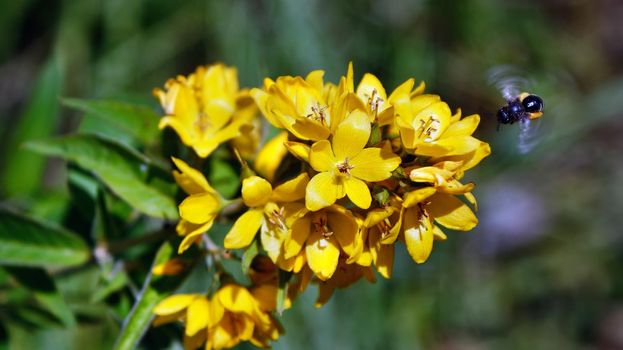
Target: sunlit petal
(351,135)
(321,191)
(244,229)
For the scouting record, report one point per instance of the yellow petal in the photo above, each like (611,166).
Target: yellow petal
(236,298)
(358,192)
(374,164)
(298,236)
(244,229)
(291,190)
(190,180)
(439,234)
(174,303)
(216,312)
(407,132)
(420,102)
(350,80)
(371,91)
(322,255)
(169,268)
(385,260)
(206,146)
(325,290)
(451,212)
(270,156)
(314,79)
(193,235)
(195,341)
(344,227)
(418,235)
(376,215)
(458,145)
(272,240)
(394,231)
(180,129)
(160,320)
(256,191)
(197,316)
(402,91)
(464,127)
(351,135)
(266,296)
(321,156)
(261,98)
(299,150)
(309,129)
(417,196)
(321,191)
(199,208)
(419,89)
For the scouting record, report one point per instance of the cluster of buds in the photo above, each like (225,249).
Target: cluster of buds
(349,174)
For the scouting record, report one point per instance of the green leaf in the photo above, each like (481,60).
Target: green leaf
(155,289)
(23,170)
(282,290)
(45,292)
(138,121)
(249,254)
(28,242)
(125,171)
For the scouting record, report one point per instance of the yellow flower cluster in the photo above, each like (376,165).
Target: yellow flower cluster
(351,173)
(232,315)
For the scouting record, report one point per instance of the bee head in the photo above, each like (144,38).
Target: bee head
(504,116)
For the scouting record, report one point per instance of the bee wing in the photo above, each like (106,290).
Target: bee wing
(528,135)
(508,80)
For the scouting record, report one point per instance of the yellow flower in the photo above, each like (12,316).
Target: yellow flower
(232,315)
(205,109)
(199,209)
(428,128)
(470,155)
(344,165)
(322,236)
(382,228)
(423,207)
(268,209)
(442,176)
(296,104)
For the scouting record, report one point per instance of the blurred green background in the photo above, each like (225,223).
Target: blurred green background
(541,271)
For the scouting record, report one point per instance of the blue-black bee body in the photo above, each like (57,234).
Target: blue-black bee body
(523,107)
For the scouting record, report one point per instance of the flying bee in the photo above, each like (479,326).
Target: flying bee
(521,107)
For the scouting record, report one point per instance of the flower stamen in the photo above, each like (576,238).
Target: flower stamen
(318,113)
(344,167)
(277,218)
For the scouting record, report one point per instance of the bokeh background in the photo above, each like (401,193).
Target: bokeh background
(544,268)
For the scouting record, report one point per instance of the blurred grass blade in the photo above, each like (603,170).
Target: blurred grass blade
(122,169)
(138,320)
(116,283)
(28,242)
(23,170)
(138,121)
(37,281)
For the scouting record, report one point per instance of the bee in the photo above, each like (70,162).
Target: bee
(520,109)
